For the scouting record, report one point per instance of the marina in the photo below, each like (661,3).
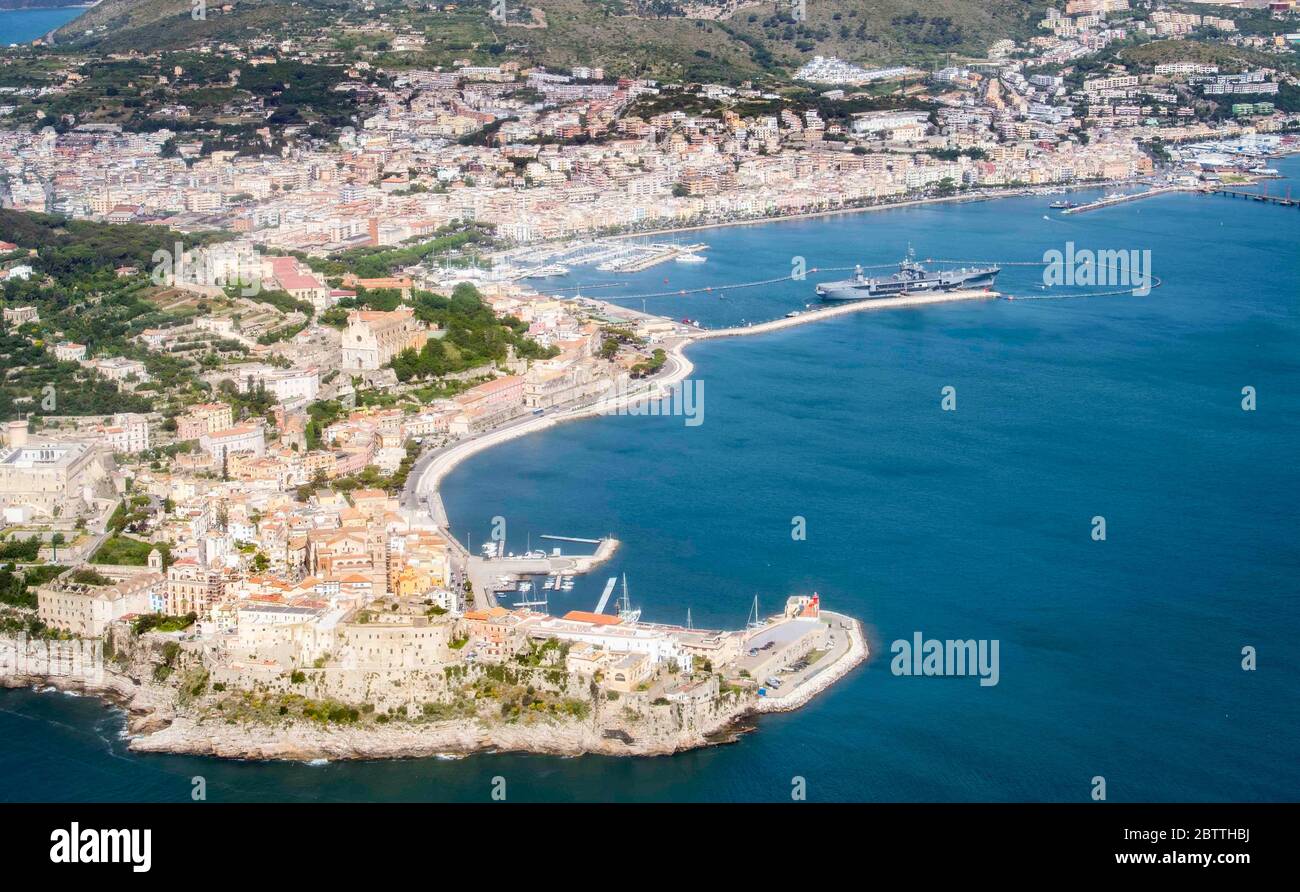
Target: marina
(496,575)
(606,255)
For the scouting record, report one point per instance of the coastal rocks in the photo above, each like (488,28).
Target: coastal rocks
(147,723)
(162,720)
(303,741)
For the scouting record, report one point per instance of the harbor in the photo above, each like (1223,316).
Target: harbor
(500,578)
(997,359)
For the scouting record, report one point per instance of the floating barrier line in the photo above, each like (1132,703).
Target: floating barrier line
(735,286)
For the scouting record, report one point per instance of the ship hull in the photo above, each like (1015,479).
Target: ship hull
(852,289)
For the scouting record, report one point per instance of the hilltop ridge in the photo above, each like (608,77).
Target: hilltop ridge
(725,41)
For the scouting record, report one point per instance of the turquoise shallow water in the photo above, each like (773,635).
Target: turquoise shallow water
(1118,658)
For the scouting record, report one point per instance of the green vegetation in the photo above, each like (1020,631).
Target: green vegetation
(18,589)
(371,477)
(80,297)
(24,550)
(124,550)
(13,622)
(377,263)
(474,336)
(651,365)
(88,576)
(82,252)
(162,671)
(158,622)
(643,38)
(33,382)
(321,414)
(1145,56)
(194,684)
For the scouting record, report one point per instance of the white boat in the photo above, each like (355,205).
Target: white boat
(544,272)
(626,612)
(691,258)
(525,586)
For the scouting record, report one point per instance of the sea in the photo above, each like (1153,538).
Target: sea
(1110,496)
(24,25)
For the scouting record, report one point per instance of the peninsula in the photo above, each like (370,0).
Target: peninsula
(269,271)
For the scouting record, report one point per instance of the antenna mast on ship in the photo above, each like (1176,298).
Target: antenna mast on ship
(525,601)
(625,611)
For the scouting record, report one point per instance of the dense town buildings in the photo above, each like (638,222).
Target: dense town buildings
(273,485)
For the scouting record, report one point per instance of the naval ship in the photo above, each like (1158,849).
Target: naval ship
(911,278)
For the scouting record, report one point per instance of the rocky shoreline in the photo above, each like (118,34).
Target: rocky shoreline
(155,724)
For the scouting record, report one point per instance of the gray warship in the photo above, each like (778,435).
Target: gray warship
(911,278)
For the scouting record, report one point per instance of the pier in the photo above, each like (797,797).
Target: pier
(483,571)
(1283,200)
(1113,200)
(651,255)
(606,255)
(842,309)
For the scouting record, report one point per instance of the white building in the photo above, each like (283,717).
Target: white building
(126,432)
(87,610)
(52,478)
(67,351)
(241,438)
(610,634)
(119,369)
(288,386)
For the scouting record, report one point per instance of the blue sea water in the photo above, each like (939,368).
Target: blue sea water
(1119,658)
(23,25)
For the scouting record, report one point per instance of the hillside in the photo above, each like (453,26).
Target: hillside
(124,25)
(624,36)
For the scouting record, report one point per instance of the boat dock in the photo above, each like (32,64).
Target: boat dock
(483,571)
(1283,200)
(606,255)
(1112,200)
(645,256)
